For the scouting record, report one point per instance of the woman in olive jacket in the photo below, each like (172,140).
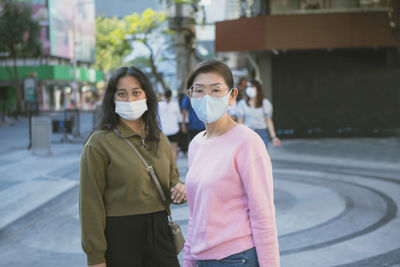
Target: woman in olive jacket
(123,220)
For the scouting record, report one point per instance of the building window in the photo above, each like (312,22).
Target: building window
(325,6)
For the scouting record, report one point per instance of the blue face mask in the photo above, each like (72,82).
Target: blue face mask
(210,109)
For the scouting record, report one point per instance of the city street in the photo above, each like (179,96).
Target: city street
(337,201)
(320,77)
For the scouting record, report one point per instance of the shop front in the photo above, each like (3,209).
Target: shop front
(52,88)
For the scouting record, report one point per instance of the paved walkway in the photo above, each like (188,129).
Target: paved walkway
(336,199)
(369,153)
(28,181)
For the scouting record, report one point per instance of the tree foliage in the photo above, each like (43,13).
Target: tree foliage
(19,38)
(111,43)
(19,32)
(114,37)
(145,23)
(147,28)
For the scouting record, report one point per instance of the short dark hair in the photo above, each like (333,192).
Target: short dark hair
(167,93)
(211,65)
(109,118)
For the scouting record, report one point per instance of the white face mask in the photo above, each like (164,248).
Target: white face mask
(251,91)
(210,109)
(130,111)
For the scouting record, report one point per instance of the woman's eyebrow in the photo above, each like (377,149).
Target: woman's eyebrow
(123,89)
(210,84)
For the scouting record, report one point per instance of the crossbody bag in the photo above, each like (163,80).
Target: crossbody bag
(176,233)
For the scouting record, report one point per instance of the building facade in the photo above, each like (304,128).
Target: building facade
(62,77)
(330,68)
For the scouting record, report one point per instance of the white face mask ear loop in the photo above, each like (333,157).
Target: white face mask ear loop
(230,93)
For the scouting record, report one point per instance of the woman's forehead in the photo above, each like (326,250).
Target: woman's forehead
(128,82)
(209,78)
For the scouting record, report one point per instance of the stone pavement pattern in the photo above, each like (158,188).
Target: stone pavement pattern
(337,202)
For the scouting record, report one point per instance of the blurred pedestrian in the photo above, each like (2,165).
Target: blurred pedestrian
(195,125)
(255,111)
(170,115)
(241,86)
(229,183)
(123,220)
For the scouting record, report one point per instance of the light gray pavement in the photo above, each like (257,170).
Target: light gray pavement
(337,201)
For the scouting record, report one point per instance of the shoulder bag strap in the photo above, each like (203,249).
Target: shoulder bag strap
(150,170)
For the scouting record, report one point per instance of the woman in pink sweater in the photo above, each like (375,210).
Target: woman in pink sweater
(229,184)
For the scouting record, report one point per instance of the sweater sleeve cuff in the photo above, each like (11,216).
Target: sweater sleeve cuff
(95,258)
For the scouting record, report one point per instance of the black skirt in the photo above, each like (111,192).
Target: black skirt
(139,241)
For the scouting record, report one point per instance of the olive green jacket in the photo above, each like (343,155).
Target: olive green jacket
(114,182)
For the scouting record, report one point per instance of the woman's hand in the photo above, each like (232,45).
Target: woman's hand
(99,265)
(276,141)
(178,193)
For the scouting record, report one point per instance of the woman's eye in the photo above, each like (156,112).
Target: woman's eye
(121,94)
(198,89)
(136,93)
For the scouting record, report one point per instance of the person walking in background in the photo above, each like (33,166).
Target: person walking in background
(241,86)
(229,182)
(170,115)
(195,125)
(255,111)
(123,220)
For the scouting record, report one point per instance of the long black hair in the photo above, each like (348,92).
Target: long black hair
(260,94)
(109,119)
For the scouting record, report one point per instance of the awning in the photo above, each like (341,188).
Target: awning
(63,73)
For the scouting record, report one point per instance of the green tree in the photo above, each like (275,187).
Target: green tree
(111,43)
(19,38)
(147,28)
(114,37)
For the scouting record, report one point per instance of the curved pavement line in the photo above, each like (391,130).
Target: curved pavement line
(349,204)
(390,214)
(326,196)
(389,258)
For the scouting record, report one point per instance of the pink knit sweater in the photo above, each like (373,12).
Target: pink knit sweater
(229,190)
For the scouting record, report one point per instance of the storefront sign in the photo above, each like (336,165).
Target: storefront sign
(29,89)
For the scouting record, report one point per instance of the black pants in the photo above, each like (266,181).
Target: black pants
(139,241)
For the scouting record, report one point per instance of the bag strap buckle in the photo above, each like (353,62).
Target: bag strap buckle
(150,169)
